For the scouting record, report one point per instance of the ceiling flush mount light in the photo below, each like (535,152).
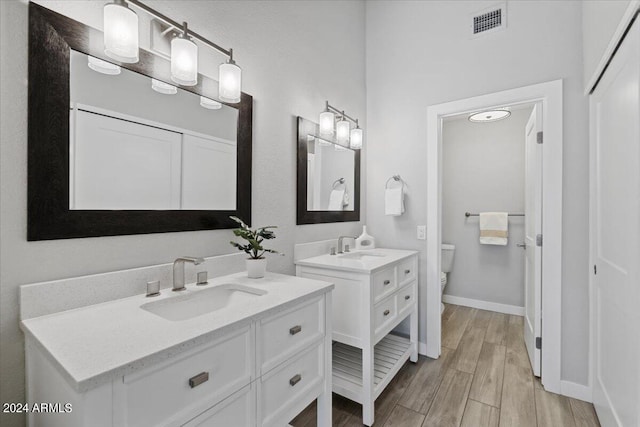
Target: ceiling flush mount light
(163,88)
(103,67)
(121,43)
(344,135)
(489,116)
(184,59)
(120,32)
(230,80)
(210,103)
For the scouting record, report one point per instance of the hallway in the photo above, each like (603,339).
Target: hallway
(483,378)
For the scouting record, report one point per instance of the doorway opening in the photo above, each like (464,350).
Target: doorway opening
(541,235)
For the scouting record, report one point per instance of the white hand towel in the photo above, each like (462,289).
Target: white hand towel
(494,228)
(336,199)
(394,201)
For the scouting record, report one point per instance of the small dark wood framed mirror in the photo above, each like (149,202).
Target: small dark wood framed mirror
(80,185)
(328,187)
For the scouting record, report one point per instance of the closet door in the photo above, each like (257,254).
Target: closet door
(615,237)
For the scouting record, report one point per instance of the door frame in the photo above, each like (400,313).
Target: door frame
(549,94)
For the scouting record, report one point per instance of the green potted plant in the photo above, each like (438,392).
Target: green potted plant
(256,263)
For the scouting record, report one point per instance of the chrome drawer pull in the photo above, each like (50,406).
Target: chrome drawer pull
(407,297)
(407,271)
(386,312)
(295,329)
(295,379)
(386,282)
(202,377)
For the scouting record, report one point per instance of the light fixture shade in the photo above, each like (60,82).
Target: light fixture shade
(163,88)
(184,61)
(120,32)
(356,138)
(230,82)
(327,120)
(103,67)
(209,103)
(342,132)
(489,116)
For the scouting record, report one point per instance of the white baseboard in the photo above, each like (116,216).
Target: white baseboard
(484,305)
(575,390)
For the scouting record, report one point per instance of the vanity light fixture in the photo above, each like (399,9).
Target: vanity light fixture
(163,88)
(489,115)
(209,104)
(121,43)
(345,136)
(356,137)
(120,32)
(103,67)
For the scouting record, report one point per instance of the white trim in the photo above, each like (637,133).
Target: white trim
(550,95)
(576,391)
(484,305)
(422,348)
(624,23)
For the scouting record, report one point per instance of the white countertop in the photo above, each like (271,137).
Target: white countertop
(95,344)
(367,265)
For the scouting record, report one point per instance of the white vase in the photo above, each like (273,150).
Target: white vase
(256,268)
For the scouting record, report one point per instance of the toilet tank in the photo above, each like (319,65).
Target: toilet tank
(447,251)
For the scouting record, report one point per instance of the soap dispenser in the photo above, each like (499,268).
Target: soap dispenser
(365,241)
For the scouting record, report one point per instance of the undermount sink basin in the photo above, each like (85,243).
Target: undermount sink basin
(183,307)
(362,255)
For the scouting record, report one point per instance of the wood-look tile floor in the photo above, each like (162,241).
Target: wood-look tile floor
(483,378)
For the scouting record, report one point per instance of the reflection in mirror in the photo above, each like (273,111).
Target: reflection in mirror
(330,176)
(134,147)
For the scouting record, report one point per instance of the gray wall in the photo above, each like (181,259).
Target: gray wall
(483,171)
(420,54)
(289,68)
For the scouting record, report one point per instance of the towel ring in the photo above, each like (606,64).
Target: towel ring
(337,182)
(395,178)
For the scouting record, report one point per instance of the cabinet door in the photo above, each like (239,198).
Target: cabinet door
(237,410)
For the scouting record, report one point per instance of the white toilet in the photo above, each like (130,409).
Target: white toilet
(447,252)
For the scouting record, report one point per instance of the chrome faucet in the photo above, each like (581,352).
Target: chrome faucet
(178,270)
(340,247)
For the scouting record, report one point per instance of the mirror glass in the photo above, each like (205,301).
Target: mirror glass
(133,147)
(330,176)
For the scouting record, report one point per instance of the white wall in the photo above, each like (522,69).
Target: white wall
(483,171)
(419,54)
(289,67)
(600,19)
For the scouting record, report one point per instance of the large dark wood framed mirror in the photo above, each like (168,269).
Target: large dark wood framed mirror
(101,164)
(328,178)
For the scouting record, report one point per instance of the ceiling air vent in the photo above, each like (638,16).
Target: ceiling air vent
(489,20)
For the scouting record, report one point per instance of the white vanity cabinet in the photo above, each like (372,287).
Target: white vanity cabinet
(373,294)
(262,371)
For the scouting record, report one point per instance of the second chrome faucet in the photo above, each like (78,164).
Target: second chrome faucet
(178,270)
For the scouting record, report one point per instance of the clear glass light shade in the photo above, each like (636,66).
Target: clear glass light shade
(184,61)
(327,120)
(162,87)
(342,132)
(230,79)
(120,33)
(210,103)
(356,138)
(489,116)
(103,67)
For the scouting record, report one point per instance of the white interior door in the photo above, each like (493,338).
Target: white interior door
(615,237)
(533,228)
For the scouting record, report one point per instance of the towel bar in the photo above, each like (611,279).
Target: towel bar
(468,214)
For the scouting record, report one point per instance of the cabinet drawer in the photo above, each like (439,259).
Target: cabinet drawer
(173,391)
(238,410)
(406,298)
(407,271)
(384,283)
(284,387)
(285,334)
(385,312)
